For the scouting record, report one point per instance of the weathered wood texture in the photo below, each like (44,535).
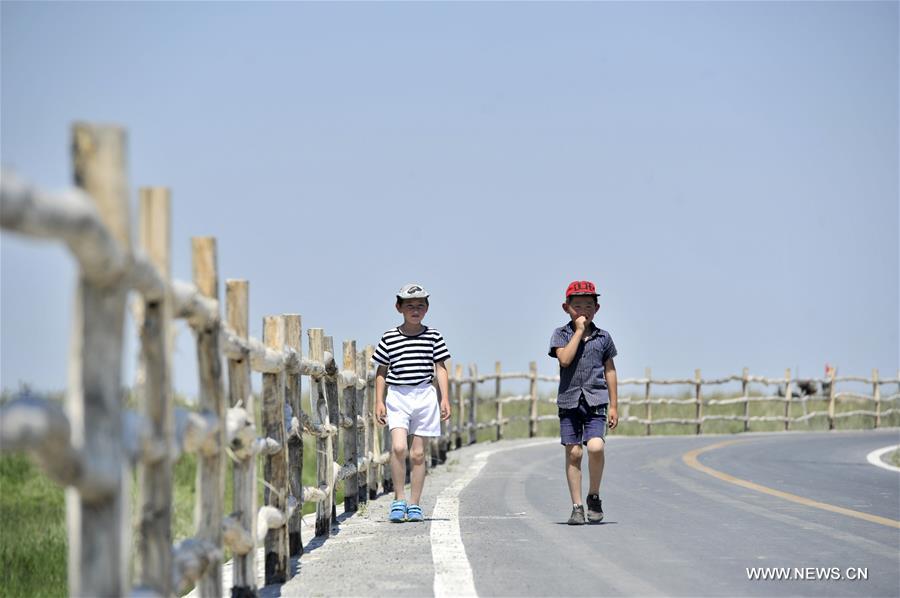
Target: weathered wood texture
(97,564)
(698,399)
(276,465)
(237,306)
(473,401)
(332,396)
(153,567)
(293,390)
(363,430)
(533,380)
(461,407)
(498,369)
(349,412)
(375,478)
(321,415)
(210,463)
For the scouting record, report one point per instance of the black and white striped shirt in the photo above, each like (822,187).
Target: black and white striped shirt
(410,359)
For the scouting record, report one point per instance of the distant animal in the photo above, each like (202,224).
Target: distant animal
(801,388)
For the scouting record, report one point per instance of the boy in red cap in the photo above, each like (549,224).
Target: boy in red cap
(587,397)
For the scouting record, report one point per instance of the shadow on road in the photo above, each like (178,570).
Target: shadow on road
(566,523)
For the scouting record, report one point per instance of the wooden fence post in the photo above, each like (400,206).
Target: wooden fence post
(237,297)
(277,547)
(787,399)
(386,474)
(293,335)
(318,403)
(433,444)
(648,411)
(831,392)
(446,436)
(98,561)
(745,388)
(154,562)
(210,467)
(473,403)
(461,425)
(498,370)
(334,414)
(351,449)
(363,435)
(375,479)
(532,420)
(698,399)
(876,395)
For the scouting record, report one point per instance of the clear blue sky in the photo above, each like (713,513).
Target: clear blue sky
(727,173)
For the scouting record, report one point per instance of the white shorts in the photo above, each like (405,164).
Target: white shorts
(414,408)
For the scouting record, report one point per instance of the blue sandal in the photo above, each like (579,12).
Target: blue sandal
(414,513)
(398,511)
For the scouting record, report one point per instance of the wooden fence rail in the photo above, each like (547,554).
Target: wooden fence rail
(91,444)
(788,394)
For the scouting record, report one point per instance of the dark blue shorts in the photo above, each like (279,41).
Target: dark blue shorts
(580,424)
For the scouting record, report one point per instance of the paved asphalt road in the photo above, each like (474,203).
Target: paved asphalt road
(670,529)
(673,530)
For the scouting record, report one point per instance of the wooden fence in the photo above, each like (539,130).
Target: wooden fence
(464,391)
(92,444)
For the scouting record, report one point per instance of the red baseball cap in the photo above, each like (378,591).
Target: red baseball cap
(581,287)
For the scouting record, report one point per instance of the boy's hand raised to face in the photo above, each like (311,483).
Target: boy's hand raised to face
(581,323)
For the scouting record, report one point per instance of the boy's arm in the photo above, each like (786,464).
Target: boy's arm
(612,415)
(380,410)
(567,354)
(443,387)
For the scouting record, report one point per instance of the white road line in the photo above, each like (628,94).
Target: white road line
(875,457)
(452,571)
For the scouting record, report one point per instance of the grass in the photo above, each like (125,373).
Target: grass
(486,411)
(32,508)
(33,539)
(894,458)
(33,544)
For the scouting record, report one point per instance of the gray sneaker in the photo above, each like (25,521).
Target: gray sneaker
(577,516)
(594,508)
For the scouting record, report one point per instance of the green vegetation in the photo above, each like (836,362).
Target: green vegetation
(894,458)
(33,538)
(546,406)
(33,523)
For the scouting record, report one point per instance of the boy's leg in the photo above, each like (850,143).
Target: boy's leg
(573,471)
(398,461)
(571,429)
(417,471)
(595,438)
(596,460)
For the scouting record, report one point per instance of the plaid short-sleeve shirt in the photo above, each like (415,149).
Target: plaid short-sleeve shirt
(587,373)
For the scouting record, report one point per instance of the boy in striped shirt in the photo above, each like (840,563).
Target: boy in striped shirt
(408,357)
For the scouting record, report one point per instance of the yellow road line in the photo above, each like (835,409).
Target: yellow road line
(690,459)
